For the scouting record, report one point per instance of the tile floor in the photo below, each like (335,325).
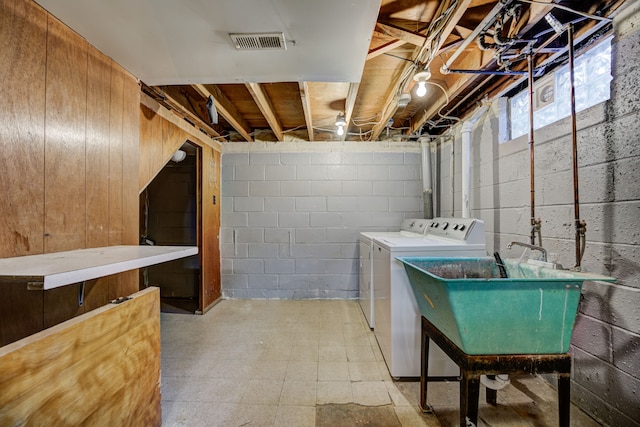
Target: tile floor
(270,363)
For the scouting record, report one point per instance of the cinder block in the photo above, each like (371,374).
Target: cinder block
(626,348)
(331,282)
(413,159)
(342,172)
(311,204)
(234,281)
(342,235)
(293,219)
(331,158)
(226,172)
(342,204)
(248,204)
(280,173)
(295,188)
(278,235)
(279,204)
(262,281)
(357,188)
(293,282)
(235,189)
(325,219)
(326,188)
(249,173)
(323,250)
(312,266)
(405,172)
(235,158)
(311,235)
(312,173)
(226,266)
(279,266)
(615,386)
(264,188)
(612,303)
(388,158)
(373,204)
(350,250)
(263,250)
(226,204)
(295,158)
(248,266)
(373,172)
(404,204)
(592,336)
(626,178)
(357,158)
(411,189)
(264,158)
(263,219)
(234,219)
(250,235)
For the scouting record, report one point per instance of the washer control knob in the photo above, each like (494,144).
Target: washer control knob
(445,225)
(455,226)
(462,227)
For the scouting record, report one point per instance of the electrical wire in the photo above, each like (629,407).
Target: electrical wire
(568,9)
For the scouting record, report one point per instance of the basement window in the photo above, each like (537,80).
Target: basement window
(551,93)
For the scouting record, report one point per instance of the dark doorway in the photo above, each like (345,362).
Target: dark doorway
(168,217)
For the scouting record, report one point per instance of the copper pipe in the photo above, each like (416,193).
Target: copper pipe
(574,143)
(531,142)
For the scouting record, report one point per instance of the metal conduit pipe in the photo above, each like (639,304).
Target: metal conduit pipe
(482,26)
(427,181)
(467,127)
(535,225)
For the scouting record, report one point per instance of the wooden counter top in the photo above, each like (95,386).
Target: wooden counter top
(48,271)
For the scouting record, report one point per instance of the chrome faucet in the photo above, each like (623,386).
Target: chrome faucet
(542,250)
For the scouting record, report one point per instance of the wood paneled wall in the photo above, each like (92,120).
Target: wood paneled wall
(69,131)
(161,134)
(99,369)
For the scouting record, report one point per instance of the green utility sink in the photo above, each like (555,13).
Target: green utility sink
(531,312)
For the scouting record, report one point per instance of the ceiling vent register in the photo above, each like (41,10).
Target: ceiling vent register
(258,41)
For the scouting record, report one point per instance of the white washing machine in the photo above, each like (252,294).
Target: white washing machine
(410,228)
(397,317)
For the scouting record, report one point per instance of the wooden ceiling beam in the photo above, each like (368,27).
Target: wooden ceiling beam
(266,107)
(349,104)
(415,38)
(381,50)
(179,109)
(306,107)
(226,109)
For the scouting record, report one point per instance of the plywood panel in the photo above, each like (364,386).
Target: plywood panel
(130,165)
(102,368)
(151,150)
(22,91)
(66,106)
(97,149)
(20,312)
(210,247)
(115,155)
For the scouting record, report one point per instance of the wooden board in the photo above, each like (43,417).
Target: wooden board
(210,226)
(22,87)
(101,368)
(66,106)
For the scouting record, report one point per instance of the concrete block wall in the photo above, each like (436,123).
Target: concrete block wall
(606,339)
(292,213)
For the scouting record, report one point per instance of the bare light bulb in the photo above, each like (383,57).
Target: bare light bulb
(340,130)
(422,89)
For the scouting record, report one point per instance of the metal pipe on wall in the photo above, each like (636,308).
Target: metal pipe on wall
(532,188)
(580,226)
(467,127)
(427,180)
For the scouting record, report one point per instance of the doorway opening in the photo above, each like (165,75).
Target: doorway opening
(169,217)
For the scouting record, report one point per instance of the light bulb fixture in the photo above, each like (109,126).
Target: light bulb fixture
(340,123)
(421,77)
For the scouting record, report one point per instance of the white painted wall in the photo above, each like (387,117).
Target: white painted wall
(292,213)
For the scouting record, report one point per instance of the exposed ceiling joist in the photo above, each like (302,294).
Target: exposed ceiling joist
(306,107)
(182,111)
(415,38)
(387,47)
(265,106)
(226,109)
(348,107)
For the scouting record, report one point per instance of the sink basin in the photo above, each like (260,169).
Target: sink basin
(531,312)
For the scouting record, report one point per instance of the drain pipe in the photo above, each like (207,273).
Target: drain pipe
(467,127)
(427,181)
